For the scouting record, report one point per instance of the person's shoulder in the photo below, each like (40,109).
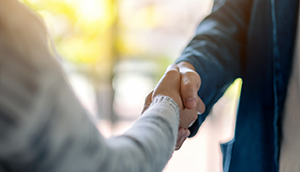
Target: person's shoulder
(18,16)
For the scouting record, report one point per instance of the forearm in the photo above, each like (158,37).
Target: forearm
(219,41)
(149,143)
(216,51)
(146,146)
(50,131)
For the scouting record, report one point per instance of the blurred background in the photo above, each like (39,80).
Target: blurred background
(115,51)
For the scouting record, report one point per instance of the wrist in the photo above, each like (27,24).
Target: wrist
(158,99)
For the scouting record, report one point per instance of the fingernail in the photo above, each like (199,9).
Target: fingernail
(190,102)
(199,113)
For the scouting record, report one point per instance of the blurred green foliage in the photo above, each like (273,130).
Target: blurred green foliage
(90,35)
(81,29)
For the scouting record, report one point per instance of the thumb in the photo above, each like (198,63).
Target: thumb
(190,84)
(200,105)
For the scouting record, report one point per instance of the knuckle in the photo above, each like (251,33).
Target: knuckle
(192,77)
(188,86)
(172,73)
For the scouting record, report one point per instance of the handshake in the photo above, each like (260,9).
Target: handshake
(181,83)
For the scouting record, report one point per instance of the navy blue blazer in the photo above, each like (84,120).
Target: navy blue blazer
(252,40)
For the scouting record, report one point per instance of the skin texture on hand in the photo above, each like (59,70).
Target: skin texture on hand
(183,133)
(183,79)
(169,85)
(190,84)
(193,105)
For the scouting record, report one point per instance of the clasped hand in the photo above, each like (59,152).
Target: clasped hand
(181,83)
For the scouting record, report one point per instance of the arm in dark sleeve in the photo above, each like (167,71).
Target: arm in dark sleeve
(217,49)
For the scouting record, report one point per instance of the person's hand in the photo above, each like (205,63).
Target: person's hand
(193,105)
(169,85)
(190,84)
(183,133)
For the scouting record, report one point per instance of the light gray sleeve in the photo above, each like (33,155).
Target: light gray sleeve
(44,128)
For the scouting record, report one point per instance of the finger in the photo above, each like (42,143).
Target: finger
(190,84)
(148,101)
(180,143)
(187,116)
(172,67)
(182,136)
(200,105)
